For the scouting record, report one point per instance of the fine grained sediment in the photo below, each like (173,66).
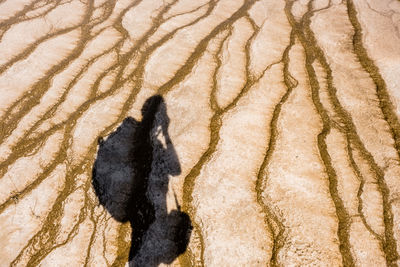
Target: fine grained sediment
(281,120)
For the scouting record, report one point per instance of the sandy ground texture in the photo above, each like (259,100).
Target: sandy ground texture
(274,139)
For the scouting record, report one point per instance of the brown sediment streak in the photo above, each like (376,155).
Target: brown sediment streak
(217,57)
(43,242)
(215,126)
(275,226)
(139,71)
(388,243)
(192,11)
(108,8)
(29,50)
(76,78)
(96,220)
(60,157)
(25,138)
(201,47)
(6,24)
(303,32)
(90,206)
(26,145)
(14,19)
(29,144)
(187,258)
(368,65)
(92,237)
(49,230)
(103,236)
(54,214)
(123,246)
(359,175)
(24,54)
(27,18)
(28,101)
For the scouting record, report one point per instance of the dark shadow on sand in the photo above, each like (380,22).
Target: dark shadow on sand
(130,178)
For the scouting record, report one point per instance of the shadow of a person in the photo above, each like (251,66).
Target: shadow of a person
(131,177)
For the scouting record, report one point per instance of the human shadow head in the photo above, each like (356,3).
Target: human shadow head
(130,178)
